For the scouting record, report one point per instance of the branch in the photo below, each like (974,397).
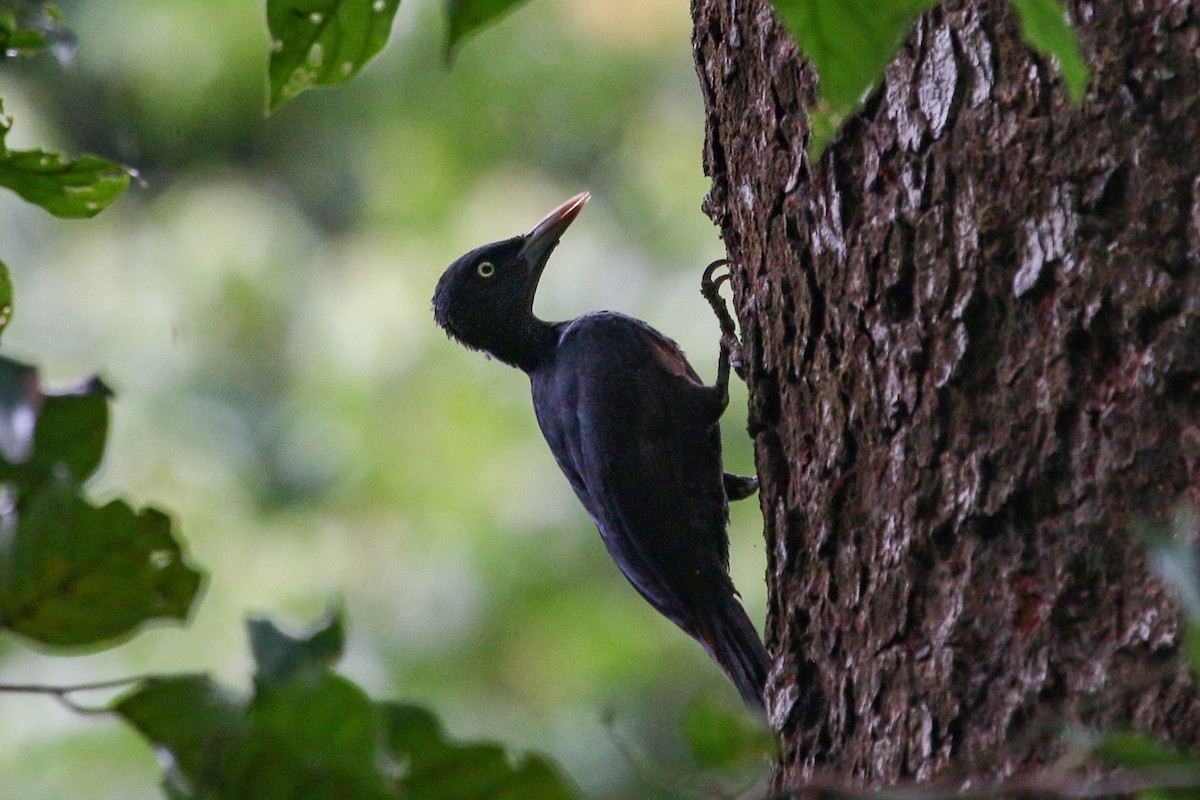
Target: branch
(63,693)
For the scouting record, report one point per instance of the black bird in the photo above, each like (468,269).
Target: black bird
(632,427)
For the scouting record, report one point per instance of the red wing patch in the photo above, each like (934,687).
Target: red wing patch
(672,359)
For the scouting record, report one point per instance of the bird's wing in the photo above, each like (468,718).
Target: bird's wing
(633,428)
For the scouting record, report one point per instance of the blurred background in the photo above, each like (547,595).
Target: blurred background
(262,307)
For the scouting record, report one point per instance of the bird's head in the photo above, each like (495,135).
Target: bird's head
(485,298)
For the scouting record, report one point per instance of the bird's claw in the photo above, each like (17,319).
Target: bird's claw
(710,290)
(706,281)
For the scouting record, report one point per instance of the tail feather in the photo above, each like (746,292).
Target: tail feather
(735,645)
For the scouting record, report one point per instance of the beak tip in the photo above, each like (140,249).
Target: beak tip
(557,221)
(573,206)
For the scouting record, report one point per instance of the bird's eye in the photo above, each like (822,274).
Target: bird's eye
(486,269)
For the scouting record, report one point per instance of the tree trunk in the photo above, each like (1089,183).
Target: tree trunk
(972,340)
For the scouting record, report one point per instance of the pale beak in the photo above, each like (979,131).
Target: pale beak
(542,238)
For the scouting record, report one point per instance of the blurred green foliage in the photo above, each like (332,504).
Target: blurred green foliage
(261,303)
(722,736)
(308,732)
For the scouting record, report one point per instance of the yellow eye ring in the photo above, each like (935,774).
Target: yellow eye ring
(486,269)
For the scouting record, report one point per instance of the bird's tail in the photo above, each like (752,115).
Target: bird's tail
(736,647)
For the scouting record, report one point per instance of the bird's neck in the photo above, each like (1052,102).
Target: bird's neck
(527,345)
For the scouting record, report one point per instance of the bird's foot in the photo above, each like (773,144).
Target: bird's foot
(710,290)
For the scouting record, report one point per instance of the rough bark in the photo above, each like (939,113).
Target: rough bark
(972,340)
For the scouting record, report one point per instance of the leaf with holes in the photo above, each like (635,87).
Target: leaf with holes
(66,187)
(74,574)
(465,18)
(71,188)
(322,42)
(1044,26)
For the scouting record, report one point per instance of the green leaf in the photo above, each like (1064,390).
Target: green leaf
(465,18)
(281,658)
(437,769)
(70,573)
(200,724)
(314,735)
(823,123)
(73,574)
(46,435)
(849,42)
(322,42)
(71,188)
(70,436)
(81,187)
(1044,26)
(74,188)
(721,736)
(324,715)
(322,735)
(310,734)
(6,297)
(412,731)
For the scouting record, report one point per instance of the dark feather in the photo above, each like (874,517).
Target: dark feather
(639,442)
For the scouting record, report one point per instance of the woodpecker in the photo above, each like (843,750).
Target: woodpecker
(632,427)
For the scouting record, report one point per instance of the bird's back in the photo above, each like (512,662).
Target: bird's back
(635,431)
